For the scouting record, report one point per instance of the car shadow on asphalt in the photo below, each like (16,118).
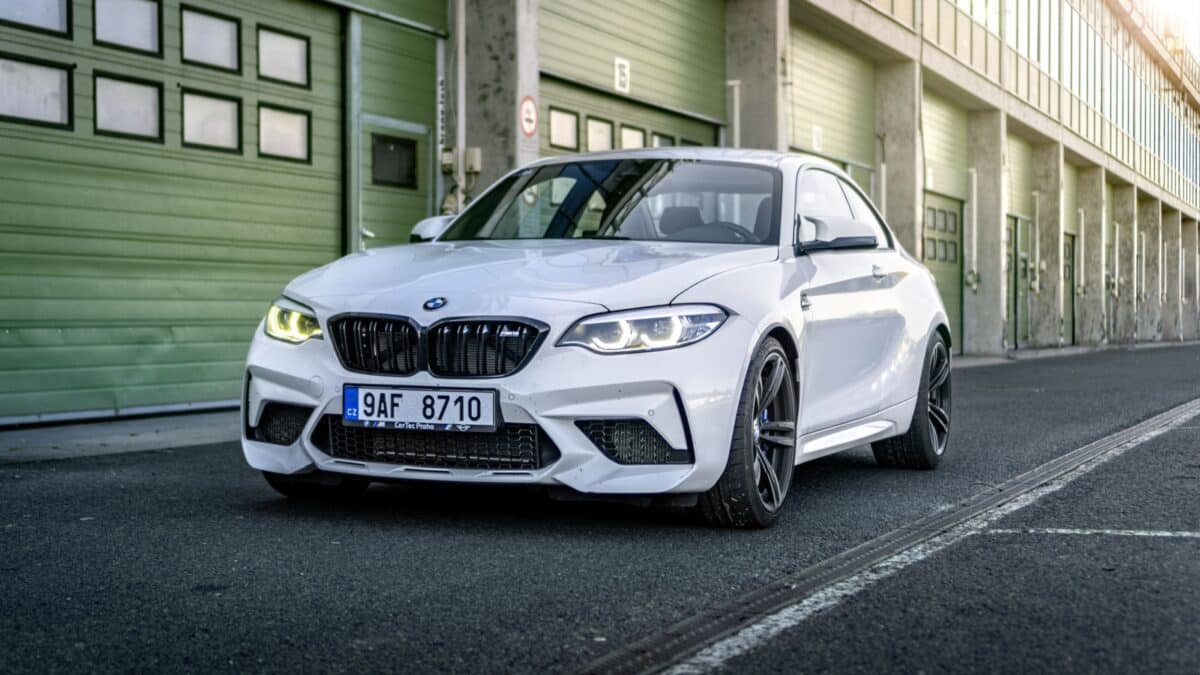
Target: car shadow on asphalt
(465,506)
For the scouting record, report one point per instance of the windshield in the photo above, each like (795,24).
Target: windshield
(638,199)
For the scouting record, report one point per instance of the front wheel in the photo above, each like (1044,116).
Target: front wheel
(762,453)
(924,445)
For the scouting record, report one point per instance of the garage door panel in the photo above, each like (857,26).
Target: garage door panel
(832,99)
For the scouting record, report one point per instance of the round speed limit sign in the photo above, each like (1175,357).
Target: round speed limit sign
(528,114)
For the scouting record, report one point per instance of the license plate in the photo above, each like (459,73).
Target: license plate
(419,409)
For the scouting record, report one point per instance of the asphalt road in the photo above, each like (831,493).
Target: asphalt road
(185,559)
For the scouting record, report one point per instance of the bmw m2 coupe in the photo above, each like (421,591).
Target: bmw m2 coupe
(682,322)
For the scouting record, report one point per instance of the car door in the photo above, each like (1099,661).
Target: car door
(852,323)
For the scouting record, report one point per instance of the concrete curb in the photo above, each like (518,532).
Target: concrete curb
(1055,352)
(114,437)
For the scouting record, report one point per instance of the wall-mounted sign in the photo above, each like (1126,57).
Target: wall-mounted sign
(528,114)
(621,75)
(818,138)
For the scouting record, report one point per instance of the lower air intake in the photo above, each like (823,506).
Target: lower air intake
(632,442)
(281,423)
(512,447)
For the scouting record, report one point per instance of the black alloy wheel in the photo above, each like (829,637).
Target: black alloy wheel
(762,455)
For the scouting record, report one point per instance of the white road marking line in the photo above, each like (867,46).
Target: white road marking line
(1165,534)
(759,633)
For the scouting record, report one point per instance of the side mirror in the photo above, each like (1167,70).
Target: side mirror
(430,229)
(833,234)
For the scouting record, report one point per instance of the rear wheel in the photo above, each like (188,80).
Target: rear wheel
(762,454)
(316,485)
(923,446)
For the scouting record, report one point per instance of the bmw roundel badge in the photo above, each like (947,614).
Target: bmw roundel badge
(434,303)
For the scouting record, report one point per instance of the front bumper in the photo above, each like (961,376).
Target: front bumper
(689,395)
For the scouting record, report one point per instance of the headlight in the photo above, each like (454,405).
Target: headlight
(645,330)
(287,321)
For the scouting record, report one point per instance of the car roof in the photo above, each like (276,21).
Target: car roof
(741,155)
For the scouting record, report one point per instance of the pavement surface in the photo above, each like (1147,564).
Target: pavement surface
(184,559)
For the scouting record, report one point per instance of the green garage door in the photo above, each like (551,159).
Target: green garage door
(399,113)
(943,255)
(575,119)
(624,74)
(832,101)
(134,266)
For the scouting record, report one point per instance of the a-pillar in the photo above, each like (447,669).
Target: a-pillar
(984,293)
(1191,278)
(897,112)
(1172,323)
(1047,316)
(756,42)
(1090,319)
(1125,231)
(501,70)
(1150,290)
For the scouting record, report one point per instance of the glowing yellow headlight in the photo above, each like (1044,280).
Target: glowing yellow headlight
(291,325)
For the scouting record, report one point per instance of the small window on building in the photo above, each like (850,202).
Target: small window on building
(128,107)
(129,24)
(564,129)
(952,222)
(952,252)
(212,121)
(283,132)
(940,224)
(51,16)
(599,135)
(38,92)
(941,250)
(212,40)
(393,161)
(282,56)
(632,138)
(663,141)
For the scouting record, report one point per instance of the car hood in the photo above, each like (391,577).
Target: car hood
(481,275)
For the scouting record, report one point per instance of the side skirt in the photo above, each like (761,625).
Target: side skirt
(886,423)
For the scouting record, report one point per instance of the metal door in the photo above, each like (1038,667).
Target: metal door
(397,175)
(943,256)
(1068,329)
(1019,278)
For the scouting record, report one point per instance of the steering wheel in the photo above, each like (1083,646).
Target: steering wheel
(739,233)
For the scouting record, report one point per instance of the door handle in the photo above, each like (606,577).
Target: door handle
(805,303)
(877,272)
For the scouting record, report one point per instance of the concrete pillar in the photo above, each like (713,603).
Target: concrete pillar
(984,301)
(1150,295)
(1172,313)
(1124,215)
(897,111)
(502,69)
(1091,268)
(1046,316)
(756,43)
(1191,278)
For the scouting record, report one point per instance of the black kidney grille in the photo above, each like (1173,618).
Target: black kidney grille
(381,345)
(516,447)
(632,441)
(480,348)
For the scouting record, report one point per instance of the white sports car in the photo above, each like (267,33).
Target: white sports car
(678,325)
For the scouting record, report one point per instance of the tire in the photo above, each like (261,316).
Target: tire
(925,443)
(317,485)
(764,433)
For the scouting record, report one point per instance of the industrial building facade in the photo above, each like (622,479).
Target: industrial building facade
(166,166)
